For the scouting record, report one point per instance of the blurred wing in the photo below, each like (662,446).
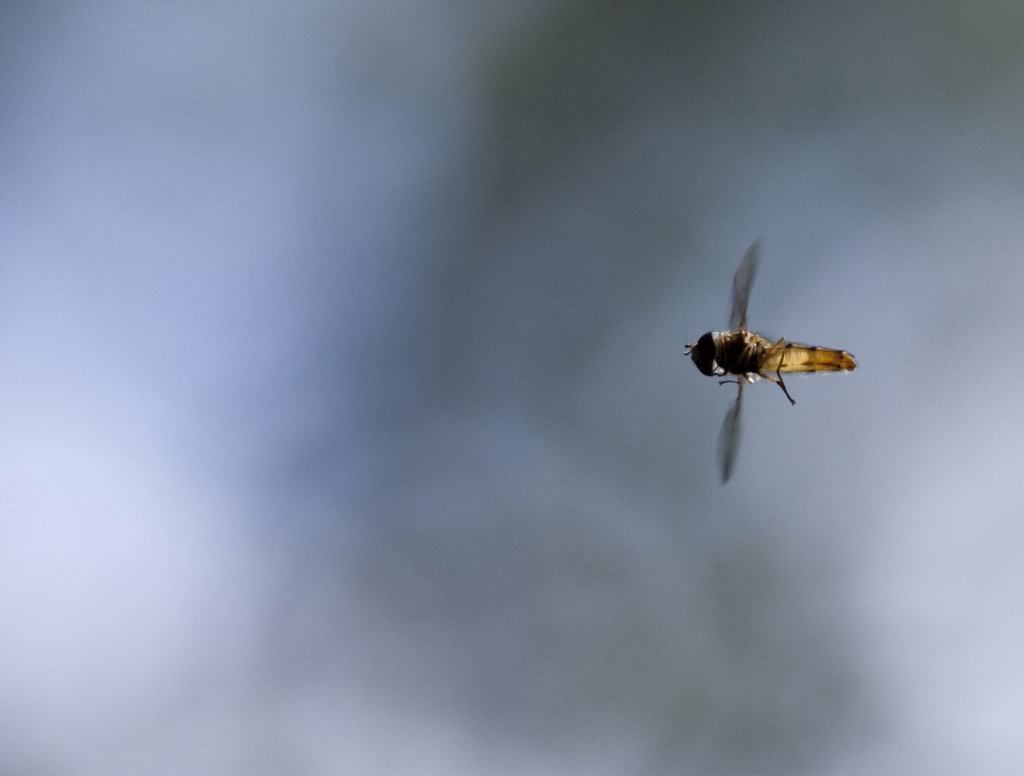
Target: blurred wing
(741,283)
(729,437)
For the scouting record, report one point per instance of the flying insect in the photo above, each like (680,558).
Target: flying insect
(743,356)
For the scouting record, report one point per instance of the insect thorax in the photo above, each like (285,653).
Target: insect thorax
(739,352)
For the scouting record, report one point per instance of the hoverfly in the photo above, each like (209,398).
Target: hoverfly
(748,356)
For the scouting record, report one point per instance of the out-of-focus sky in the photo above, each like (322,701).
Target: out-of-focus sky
(346,421)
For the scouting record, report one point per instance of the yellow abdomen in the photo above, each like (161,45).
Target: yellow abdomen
(794,357)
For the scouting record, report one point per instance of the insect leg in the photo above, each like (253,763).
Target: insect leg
(782,385)
(741,379)
(778,369)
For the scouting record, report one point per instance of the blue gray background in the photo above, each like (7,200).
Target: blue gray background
(346,425)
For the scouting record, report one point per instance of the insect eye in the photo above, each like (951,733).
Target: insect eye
(703,354)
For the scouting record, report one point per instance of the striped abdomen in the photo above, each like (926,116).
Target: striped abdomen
(794,357)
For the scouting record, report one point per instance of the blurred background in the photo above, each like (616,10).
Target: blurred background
(346,420)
